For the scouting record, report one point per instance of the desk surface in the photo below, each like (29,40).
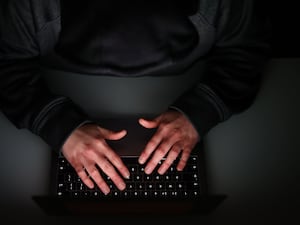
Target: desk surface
(252,157)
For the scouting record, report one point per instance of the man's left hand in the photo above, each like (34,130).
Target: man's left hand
(175,134)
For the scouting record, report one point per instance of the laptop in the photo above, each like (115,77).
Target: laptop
(176,193)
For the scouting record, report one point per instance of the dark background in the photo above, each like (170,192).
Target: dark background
(259,172)
(285,17)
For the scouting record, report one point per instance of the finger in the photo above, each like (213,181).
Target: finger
(172,155)
(118,163)
(112,135)
(84,177)
(95,175)
(110,171)
(183,160)
(149,123)
(150,147)
(159,154)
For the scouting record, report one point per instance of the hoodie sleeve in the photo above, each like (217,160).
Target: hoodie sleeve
(24,99)
(234,65)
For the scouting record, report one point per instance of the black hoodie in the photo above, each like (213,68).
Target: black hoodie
(231,36)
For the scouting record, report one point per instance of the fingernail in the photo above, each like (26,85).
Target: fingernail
(91,185)
(141,160)
(161,171)
(122,186)
(147,170)
(106,191)
(179,168)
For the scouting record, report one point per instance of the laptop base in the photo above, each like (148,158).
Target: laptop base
(58,206)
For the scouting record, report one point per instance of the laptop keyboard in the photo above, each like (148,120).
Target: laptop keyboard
(173,184)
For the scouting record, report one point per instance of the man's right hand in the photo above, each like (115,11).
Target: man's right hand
(86,148)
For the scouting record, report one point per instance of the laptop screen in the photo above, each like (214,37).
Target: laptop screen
(114,97)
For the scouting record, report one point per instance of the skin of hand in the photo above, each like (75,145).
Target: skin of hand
(86,148)
(175,134)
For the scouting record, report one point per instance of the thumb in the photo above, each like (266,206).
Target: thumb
(149,123)
(112,135)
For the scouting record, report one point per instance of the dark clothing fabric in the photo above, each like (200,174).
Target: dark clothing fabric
(131,39)
(118,38)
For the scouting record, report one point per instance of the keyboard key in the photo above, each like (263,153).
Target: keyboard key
(125,194)
(131,186)
(172,184)
(140,186)
(85,194)
(160,186)
(147,177)
(150,186)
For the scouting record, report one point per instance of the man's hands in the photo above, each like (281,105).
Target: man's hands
(175,134)
(86,148)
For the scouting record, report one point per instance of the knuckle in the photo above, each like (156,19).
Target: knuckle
(187,150)
(82,176)
(151,144)
(94,173)
(177,134)
(104,166)
(161,151)
(165,128)
(183,160)
(107,167)
(85,181)
(173,155)
(100,183)
(177,151)
(88,152)
(98,142)
(113,157)
(115,177)
(119,162)
(120,166)
(78,170)
(181,165)
(167,164)
(74,162)
(152,164)
(177,148)
(116,161)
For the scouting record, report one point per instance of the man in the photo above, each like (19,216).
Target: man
(132,38)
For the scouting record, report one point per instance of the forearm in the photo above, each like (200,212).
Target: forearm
(27,103)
